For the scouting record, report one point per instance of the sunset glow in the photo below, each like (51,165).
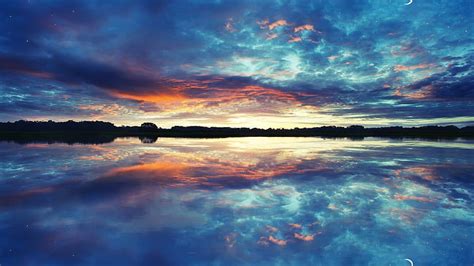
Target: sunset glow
(298,64)
(236,132)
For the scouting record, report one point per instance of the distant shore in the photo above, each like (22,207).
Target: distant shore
(100,132)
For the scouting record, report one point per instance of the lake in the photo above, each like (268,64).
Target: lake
(238,201)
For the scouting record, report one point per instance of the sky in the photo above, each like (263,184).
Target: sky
(279,64)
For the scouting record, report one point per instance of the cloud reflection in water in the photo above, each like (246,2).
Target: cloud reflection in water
(234,201)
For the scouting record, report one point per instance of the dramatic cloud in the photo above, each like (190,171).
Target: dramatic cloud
(282,64)
(307,27)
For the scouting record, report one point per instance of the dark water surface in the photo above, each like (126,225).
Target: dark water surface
(238,201)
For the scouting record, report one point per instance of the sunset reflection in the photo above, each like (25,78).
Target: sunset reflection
(266,200)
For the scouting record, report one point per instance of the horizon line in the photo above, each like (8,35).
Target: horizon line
(277,128)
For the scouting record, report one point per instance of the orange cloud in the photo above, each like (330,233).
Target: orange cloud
(278,23)
(307,27)
(399,68)
(197,92)
(295,39)
(304,237)
(164,168)
(277,241)
(155,98)
(297,226)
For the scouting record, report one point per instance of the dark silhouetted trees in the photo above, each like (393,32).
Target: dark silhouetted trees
(35,126)
(148,125)
(148,132)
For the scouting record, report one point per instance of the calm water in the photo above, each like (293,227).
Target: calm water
(237,201)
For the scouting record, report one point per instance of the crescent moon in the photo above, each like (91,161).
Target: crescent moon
(409,2)
(409,260)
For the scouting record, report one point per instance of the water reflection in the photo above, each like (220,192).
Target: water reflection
(148,139)
(237,201)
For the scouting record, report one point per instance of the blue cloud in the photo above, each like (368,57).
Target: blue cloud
(350,53)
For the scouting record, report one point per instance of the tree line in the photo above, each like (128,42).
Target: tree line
(45,128)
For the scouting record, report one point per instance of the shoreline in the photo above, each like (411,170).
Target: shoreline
(91,137)
(100,131)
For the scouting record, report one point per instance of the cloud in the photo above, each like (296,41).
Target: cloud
(77,71)
(399,68)
(271,36)
(410,197)
(295,39)
(454,84)
(271,26)
(341,58)
(277,241)
(306,27)
(303,237)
